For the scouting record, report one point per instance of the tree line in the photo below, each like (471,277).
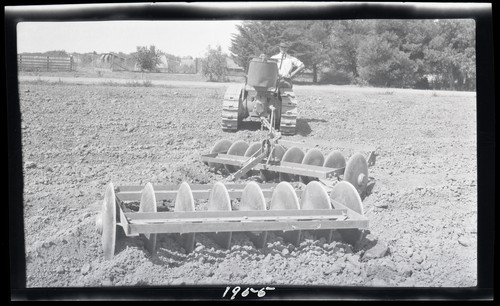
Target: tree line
(437,54)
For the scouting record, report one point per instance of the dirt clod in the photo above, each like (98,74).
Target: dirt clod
(85,269)
(464,241)
(379,250)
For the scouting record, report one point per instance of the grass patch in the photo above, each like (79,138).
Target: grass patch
(144,83)
(39,81)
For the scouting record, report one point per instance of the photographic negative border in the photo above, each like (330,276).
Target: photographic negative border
(481,13)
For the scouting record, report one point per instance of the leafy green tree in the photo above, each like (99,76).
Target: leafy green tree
(345,37)
(383,58)
(86,59)
(57,53)
(375,57)
(310,43)
(214,65)
(147,59)
(451,54)
(397,53)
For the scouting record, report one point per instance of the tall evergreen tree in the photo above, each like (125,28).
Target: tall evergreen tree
(255,38)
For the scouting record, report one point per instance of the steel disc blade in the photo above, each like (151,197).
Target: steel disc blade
(219,200)
(284,197)
(278,152)
(148,199)
(109,222)
(185,202)
(148,204)
(238,148)
(252,198)
(276,156)
(313,157)
(334,160)
(292,155)
(345,193)
(356,172)
(315,196)
(252,149)
(220,146)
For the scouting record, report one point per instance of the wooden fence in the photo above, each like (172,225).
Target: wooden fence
(44,63)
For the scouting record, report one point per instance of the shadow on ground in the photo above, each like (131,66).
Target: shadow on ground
(303,127)
(249,125)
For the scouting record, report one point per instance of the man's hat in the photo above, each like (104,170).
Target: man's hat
(285,44)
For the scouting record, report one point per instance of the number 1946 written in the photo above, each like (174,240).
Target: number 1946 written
(246,292)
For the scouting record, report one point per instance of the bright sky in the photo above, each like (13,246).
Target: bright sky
(180,38)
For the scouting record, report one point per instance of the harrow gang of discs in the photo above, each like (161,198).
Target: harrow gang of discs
(287,213)
(293,164)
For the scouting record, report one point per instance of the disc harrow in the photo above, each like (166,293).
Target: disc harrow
(263,208)
(275,161)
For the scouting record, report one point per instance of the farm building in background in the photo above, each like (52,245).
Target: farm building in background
(164,66)
(233,68)
(112,62)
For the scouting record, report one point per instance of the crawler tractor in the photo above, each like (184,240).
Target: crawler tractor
(252,101)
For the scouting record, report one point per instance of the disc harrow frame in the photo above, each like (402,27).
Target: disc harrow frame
(277,208)
(291,164)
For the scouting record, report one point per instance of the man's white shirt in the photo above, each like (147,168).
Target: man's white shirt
(287,65)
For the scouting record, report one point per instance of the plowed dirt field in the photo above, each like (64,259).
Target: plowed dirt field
(422,209)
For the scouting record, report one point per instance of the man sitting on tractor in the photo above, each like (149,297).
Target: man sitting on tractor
(288,65)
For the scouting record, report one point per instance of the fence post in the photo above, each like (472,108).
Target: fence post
(20,62)
(48,61)
(71,63)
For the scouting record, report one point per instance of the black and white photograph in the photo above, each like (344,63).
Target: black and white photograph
(248,153)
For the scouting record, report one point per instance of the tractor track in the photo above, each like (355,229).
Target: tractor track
(230,108)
